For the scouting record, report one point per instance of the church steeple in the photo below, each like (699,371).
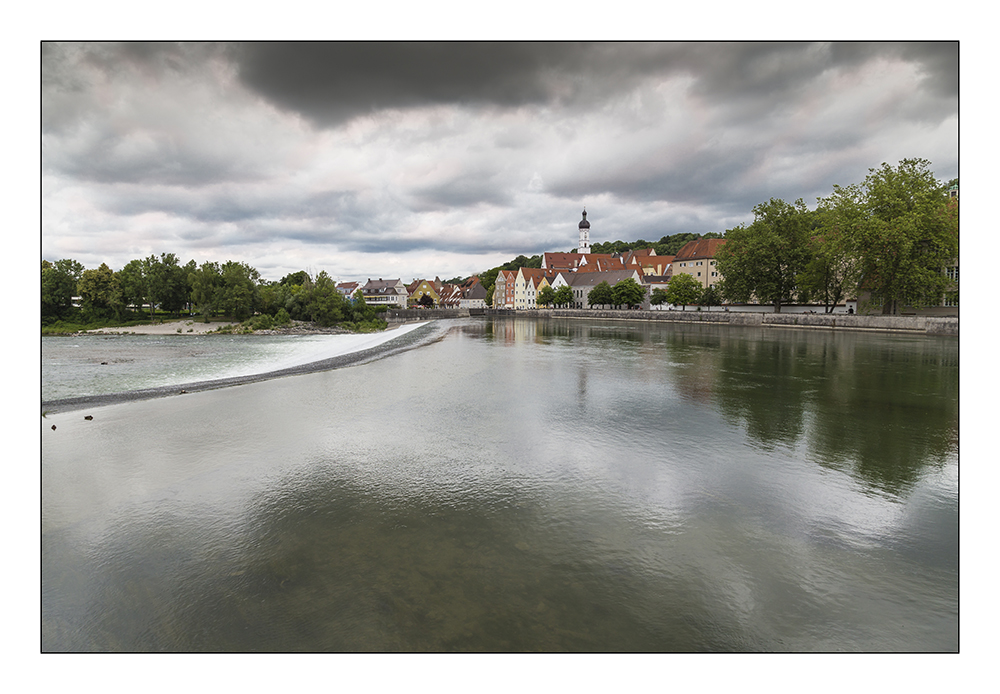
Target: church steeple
(584,234)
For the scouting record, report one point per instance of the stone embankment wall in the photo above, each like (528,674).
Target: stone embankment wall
(929,325)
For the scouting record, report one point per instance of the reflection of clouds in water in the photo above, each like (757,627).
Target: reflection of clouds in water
(464,496)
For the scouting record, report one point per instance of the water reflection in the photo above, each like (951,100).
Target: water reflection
(519,486)
(882,407)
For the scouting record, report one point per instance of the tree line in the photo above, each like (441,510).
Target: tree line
(889,238)
(232,289)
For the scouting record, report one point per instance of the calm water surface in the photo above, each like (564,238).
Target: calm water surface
(523,485)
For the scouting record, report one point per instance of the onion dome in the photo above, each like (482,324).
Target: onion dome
(585,224)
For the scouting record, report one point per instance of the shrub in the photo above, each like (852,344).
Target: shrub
(370,325)
(262,322)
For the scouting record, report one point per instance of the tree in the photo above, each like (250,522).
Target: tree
(489,295)
(601,295)
(563,296)
(546,296)
(58,285)
(628,292)
(361,309)
(206,289)
(682,290)
(427,301)
(764,260)
(710,296)
(238,289)
(131,284)
(832,268)
(300,278)
(326,306)
(658,297)
(906,233)
(166,283)
(98,290)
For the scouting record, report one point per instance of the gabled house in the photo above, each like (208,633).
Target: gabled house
(527,285)
(418,289)
(473,294)
(451,295)
(382,292)
(347,289)
(503,289)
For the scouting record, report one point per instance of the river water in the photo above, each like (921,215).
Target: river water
(522,485)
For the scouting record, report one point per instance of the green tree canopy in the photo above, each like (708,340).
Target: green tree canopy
(99,295)
(206,288)
(546,296)
(325,305)
(628,292)
(563,296)
(601,295)
(710,296)
(239,289)
(907,231)
(59,284)
(763,261)
(300,278)
(682,290)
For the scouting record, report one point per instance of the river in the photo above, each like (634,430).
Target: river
(523,485)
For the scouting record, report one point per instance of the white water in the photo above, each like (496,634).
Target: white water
(83,365)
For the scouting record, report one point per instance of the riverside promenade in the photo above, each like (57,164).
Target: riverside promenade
(928,325)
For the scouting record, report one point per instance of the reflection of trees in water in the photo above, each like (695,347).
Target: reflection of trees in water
(762,383)
(890,412)
(879,407)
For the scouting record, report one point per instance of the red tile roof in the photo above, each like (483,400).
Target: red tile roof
(560,261)
(702,248)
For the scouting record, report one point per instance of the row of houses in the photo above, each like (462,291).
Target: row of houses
(429,293)
(519,289)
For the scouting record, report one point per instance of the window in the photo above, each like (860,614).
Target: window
(952,273)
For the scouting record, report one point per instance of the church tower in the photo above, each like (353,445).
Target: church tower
(584,234)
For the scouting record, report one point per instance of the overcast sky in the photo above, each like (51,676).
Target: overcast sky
(415,160)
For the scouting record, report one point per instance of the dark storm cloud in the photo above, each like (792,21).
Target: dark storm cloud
(332,82)
(357,154)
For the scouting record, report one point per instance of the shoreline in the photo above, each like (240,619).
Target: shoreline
(915,325)
(413,338)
